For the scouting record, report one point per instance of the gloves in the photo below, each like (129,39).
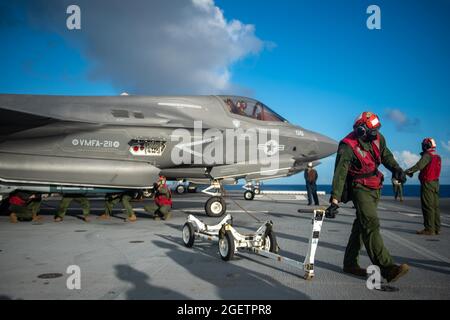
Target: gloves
(400,175)
(409,173)
(331,211)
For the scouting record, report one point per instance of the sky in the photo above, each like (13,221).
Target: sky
(314,62)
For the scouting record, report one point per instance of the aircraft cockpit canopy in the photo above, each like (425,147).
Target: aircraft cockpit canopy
(251,108)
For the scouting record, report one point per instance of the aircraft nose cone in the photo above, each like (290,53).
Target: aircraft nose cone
(327,146)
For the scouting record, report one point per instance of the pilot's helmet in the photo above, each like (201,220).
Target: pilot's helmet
(242,105)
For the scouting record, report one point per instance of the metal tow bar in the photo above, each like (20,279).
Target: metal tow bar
(263,242)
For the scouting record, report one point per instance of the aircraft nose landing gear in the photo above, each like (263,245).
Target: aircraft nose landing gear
(249,195)
(251,190)
(216,205)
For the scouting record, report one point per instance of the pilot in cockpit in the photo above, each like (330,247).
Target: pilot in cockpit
(257,111)
(230,105)
(241,107)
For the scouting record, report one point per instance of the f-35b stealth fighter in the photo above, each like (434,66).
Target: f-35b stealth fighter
(54,144)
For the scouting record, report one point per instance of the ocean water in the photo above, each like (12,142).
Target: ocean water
(408,190)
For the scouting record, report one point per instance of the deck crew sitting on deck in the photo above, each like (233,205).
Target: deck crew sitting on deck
(111,200)
(65,204)
(24,206)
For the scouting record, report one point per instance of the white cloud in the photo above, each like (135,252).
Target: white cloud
(406,159)
(445,173)
(157,46)
(204,4)
(397,116)
(446,145)
(401,120)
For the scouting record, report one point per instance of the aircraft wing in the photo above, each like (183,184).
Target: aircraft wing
(122,111)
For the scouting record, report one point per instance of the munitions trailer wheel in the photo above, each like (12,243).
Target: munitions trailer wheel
(188,234)
(270,242)
(226,246)
(308,276)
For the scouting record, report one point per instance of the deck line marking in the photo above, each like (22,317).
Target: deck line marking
(416,248)
(401,207)
(413,215)
(416,214)
(395,208)
(406,208)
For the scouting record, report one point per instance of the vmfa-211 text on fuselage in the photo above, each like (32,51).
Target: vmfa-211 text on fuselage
(125,142)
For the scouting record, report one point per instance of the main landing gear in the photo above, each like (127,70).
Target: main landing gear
(251,190)
(216,205)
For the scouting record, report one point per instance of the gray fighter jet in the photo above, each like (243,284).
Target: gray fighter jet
(59,144)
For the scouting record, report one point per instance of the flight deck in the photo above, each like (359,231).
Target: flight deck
(148,260)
